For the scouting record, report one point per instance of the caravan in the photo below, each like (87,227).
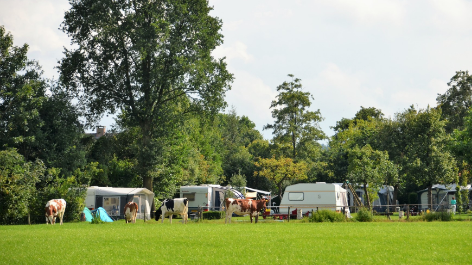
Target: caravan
(310,196)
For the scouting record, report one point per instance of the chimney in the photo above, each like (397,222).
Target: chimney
(101,130)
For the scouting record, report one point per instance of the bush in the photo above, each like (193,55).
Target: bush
(326,216)
(96,218)
(438,216)
(364,215)
(210,215)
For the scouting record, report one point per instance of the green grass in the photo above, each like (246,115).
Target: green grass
(213,242)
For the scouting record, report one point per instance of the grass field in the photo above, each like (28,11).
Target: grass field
(213,242)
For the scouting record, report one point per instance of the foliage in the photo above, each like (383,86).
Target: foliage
(280,170)
(326,216)
(211,215)
(17,186)
(370,168)
(96,218)
(238,182)
(150,60)
(22,92)
(457,101)
(427,159)
(412,198)
(294,123)
(438,216)
(364,215)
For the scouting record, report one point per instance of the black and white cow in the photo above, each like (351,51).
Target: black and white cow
(171,207)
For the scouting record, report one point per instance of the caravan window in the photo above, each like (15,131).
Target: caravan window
(295,196)
(112,205)
(189,196)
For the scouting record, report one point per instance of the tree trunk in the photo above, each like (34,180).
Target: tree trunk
(367,198)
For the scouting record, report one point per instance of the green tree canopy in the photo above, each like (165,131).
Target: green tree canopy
(294,123)
(457,100)
(150,60)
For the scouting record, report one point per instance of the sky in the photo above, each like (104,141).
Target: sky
(371,53)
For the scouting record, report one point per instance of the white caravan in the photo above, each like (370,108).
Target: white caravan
(310,196)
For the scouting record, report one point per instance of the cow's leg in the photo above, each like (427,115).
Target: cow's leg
(251,217)
(257,217)
(170,218)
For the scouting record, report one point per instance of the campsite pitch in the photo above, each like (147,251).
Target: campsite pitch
(213,242)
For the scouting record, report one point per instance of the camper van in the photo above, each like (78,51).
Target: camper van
(310,196)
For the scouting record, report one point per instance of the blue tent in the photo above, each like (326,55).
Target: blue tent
(103,214)
(88,214)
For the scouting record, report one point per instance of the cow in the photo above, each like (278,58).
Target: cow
(243,207)
(55,207)
(171,207)
(131,210)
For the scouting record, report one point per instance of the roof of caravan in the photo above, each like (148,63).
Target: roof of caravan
(319,186)
(118,191)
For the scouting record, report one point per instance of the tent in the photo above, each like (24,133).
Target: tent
(88,214)
(103,215)
(113,200)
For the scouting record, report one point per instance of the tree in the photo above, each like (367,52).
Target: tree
(428,160)
(17,186)
(151,60)
(280,171)
(457,100)
(371,168)
(22,92)
(294,123)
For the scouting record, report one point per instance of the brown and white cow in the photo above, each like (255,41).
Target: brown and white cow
(55,208)
(171,207)
(244,207)
(131,210)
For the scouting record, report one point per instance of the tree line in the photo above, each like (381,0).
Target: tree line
(151,64)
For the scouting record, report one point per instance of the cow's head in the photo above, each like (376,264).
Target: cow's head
(158,214)
(51,212)
(262,204)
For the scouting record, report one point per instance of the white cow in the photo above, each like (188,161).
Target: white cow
(55,207)
(171,207)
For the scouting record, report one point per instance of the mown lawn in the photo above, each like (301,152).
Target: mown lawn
(213,242)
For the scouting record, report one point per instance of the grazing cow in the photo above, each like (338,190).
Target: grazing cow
(243,207)
(171,207)
(54,208)
(131,210)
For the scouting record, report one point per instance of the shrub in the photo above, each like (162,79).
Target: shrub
(210,215)
(438,216)
(326,216)
(364,215)
(96,218)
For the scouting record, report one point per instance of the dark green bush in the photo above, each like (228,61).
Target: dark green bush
(412,197)
(326,216)
(364,215)
(96,218)
(210,215)
(438,216)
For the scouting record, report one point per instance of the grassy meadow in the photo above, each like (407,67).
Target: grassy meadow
(213,242)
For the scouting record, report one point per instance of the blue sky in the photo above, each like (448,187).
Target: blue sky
(371,53)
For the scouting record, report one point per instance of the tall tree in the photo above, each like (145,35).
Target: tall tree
(22,93)
(149,59)
(457,100)
(294,123)
(428,159)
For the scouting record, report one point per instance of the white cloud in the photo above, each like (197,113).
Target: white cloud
(252,98)
(237,50)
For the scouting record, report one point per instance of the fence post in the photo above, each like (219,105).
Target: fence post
(288,214)
(407,212)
